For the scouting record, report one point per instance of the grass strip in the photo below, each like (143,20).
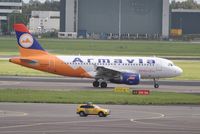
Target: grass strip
(191,70)
(108,47)
(98,97)
(8,68)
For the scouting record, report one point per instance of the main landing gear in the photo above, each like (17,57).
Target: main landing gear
(102,84)
(156,85)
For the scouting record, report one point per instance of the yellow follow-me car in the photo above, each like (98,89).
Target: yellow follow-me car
(90,109)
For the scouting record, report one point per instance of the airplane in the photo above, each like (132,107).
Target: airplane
(103,69)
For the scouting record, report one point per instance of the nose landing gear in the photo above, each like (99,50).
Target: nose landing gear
(156,85)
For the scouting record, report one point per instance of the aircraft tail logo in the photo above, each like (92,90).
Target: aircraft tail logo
(28,45)
(26,40)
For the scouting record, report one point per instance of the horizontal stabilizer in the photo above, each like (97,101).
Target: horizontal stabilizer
(28,61)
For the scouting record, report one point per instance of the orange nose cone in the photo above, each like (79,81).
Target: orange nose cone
(10,60)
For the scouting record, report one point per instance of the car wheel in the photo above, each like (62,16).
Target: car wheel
(82,114)
(101,114)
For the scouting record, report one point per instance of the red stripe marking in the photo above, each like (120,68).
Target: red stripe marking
(21,28)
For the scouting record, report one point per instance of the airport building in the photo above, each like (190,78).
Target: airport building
(110,19)
(186,21)
(44,21)
(9,7)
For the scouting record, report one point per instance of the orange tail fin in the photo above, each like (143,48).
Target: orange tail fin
(28,45)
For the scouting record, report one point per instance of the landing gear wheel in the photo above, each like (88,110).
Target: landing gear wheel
(95,84)
(103,85)
(156,85)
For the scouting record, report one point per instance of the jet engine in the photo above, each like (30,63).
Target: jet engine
(127,78)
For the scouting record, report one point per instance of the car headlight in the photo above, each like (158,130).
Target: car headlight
(108,111)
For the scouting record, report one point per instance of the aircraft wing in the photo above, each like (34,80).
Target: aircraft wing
(108,72)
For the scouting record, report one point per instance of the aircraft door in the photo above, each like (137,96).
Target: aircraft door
(51,64)
(159,65)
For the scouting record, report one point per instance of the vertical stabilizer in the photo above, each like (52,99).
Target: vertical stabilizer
(28,45)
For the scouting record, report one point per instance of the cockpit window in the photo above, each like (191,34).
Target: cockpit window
(170,64)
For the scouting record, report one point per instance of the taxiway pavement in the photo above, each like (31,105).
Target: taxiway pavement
(18,118)
(66,83)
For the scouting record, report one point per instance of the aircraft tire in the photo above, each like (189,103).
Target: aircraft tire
(103,85)
(95,84)
(156,85)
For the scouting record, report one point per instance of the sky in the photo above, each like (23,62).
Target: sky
(26,1)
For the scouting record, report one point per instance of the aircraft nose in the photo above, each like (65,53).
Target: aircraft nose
(179,71)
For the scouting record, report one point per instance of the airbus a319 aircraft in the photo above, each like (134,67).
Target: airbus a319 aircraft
(103,69)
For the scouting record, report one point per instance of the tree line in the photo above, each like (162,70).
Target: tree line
(36,5)
(33,5)
(188,4)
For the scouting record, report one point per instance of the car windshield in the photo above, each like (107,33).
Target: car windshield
(95,106)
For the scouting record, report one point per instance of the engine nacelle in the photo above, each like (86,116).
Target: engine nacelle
(127,78)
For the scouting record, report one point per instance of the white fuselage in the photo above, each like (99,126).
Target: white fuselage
(147,67)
